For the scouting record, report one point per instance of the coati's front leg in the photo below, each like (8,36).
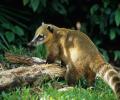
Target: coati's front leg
(51,58)
(52,54)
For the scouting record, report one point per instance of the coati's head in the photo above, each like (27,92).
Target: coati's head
(43,34)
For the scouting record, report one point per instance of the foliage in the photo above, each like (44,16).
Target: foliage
(106,19)
(99,19)
(40,5)
(11,28)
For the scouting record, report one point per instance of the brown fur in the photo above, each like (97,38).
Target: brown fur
(79,54)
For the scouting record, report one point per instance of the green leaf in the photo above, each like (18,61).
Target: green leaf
(34,4)
(7,26)
(3,19)
(25,2)
(18,30)
(2,46)
(102,24)
(43,2)
(65,1)
(59,8)
(105,53)
(108,11)
(117,17)
(112,34)
(3,39)
(116,55)
(97,41)
(10,36)
(117,30)
(106,3)
(111,18)
(93,9)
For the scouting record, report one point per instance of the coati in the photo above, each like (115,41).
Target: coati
(79,54)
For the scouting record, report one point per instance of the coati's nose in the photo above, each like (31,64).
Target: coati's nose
(31,45)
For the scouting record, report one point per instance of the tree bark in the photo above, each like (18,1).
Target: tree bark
(25,75)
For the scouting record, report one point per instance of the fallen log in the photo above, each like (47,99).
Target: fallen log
(18,59)
(25,75)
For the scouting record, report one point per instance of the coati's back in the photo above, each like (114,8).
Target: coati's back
(84,47)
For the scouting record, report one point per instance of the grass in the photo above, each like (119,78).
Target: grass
(101,91)
(39,51)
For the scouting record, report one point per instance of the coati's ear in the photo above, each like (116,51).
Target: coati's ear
(50,28)
(43,23)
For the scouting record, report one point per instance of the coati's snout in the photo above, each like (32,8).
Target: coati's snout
(30,44)
(37,40)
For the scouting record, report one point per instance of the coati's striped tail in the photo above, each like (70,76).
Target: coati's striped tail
(111,76)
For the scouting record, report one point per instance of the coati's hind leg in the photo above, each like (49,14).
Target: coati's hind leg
(90,77)
(72,75)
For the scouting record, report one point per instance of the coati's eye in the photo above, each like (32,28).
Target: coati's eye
(50,28)
(40,37)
